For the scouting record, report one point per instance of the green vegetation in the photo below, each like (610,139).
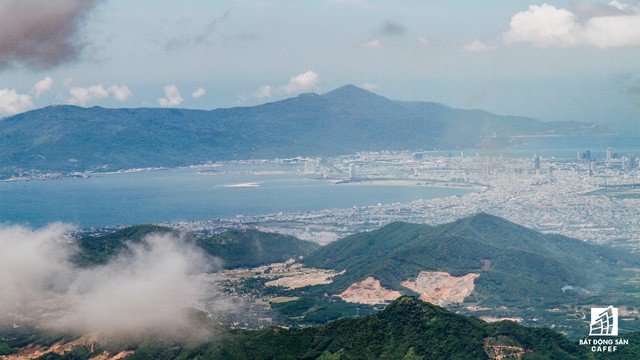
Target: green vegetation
(517,265)
(250,247)
(313,310)
(97,250)
(236,248)
(406,329)
(342,121)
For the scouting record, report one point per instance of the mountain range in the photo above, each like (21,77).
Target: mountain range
(514,265)
(234,248)
(66,139)
(509,264)
(407,329)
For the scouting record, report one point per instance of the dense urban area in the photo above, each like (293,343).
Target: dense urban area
(589,199)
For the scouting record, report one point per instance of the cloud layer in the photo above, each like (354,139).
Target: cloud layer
(149,290)
(41,34)
(546,25)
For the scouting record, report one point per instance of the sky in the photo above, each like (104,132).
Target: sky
(553,60)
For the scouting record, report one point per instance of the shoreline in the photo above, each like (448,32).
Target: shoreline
(400,182)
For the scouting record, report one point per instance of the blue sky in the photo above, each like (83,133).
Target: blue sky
(554,60)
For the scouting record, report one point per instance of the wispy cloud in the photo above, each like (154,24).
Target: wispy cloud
(178,41)
(372,44)
(476,46)
(392,28)
(41,34)
(264,92)
(369,86)
(198,93)
(42,86)
(547,26)
(424,41)
(120,93)
(172,97)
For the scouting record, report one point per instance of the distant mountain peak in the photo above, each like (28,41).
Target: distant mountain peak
(351,91)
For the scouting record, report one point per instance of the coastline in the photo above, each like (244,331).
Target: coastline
(405,182)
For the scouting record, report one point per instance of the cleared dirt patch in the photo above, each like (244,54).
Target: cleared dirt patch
(368,291)
(440,288)
(492,319)
(305,277)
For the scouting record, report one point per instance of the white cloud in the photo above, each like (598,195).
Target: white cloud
(304,82)
(42,86)
(120,93)
(264,92)
(67,82)
(613,31)
(624,7)
(546,25)
(83,95)
(476,46)
(198,93)
(11,102)
(32,264)
(424,41)
(369,86)
(146,290)
(150,289)
(372,44)
(172,97)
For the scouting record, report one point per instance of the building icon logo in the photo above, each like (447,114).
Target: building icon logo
(604,321)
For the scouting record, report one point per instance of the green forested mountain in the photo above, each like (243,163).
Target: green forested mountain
(346,120)
(516,264)
(236,248)
(248,248)
(96,250)
(407,329)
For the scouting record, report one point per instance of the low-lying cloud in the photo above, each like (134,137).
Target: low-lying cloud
(546,26)
(198,93)
(172,97)
(301,83)
(42,86)
(12,102)
(41,34)
(84,95)
(152,289)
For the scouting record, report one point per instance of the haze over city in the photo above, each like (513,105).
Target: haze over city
(554,60)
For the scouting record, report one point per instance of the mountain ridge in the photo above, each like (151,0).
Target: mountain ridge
(407,329)
(67,138)
(516,265)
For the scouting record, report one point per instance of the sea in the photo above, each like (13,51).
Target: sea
(187,194)
(193,194)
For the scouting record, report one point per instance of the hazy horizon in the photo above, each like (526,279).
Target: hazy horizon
(553,61)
